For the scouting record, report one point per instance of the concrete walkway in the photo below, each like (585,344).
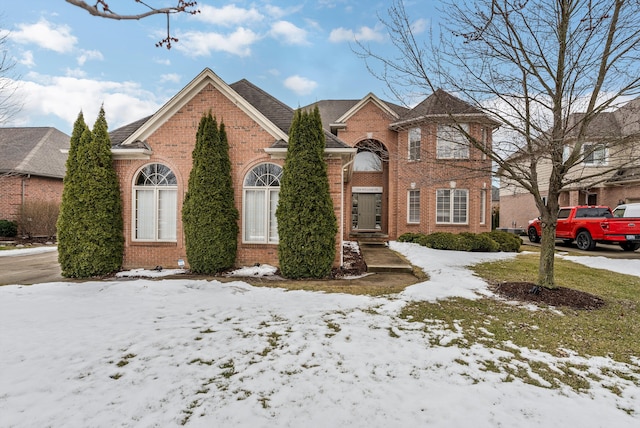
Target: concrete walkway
(380,258)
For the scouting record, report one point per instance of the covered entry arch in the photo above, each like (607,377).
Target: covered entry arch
(368,191)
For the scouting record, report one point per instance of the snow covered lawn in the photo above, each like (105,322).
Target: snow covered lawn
(206,354)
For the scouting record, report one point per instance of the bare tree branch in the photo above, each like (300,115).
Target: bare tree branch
(101,9)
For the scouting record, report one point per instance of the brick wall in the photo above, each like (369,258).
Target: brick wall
(427,175)
(172,144)
(32,188)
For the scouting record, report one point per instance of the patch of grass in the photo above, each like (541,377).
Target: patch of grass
(610,331)
(335,327)
(228,369)
(116,376)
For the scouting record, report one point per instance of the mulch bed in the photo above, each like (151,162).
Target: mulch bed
(353,264)
(560,296)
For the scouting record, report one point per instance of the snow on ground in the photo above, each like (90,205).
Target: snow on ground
(25,251)
(626,266)
(125,353)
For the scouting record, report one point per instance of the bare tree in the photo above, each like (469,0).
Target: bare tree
(101,9)
(9,106)
(545,70)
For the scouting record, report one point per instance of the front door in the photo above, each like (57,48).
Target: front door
(367,210)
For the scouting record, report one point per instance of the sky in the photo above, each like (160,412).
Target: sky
(299,51)
(173,352)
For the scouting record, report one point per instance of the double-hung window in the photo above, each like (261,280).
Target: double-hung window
(155,193)
(261,192)
(451,142)
(452,206)
(413,206)
(415,137)
(595,154)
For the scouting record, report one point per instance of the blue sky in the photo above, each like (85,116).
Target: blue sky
(298,51)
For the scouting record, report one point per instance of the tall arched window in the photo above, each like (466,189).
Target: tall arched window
(261,191)
(155,197)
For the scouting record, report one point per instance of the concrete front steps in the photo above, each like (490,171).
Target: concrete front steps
(380,258)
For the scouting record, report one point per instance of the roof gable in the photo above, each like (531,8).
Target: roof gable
(36,151)
(369,98)
(206,77)
(438,105)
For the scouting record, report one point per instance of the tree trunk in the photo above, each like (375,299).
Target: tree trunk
(547,255)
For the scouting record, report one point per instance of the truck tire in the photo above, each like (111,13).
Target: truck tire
(629,246)
(533,234)
(584,241)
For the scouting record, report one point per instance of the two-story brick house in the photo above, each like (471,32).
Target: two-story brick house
(391,170)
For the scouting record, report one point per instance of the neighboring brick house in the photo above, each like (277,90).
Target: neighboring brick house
(382,183)
(32,167)
(614,167)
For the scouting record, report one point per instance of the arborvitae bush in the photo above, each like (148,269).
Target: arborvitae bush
(209,215)
(307,224)
(90,228)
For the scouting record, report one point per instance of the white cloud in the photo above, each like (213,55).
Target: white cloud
(277,12)
(197,44)
(228,15)
(47,35)
(364,34)
(65,96)
(162,61)
(88,55)
(300,85)
(27,59)
(289,33)
(170,77)
(75,72)
(419,26)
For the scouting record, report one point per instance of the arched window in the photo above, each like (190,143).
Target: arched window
(370,156)
(155,197)
(261,191)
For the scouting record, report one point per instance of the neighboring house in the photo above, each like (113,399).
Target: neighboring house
(615,180)
(391,170)
(32,167)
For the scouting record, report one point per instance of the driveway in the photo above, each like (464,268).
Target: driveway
(604,250)
(30,268)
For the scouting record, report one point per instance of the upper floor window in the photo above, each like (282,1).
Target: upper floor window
(594,154)
(451,142)
(261,194)
(415,137)
(367,161)
(155,193)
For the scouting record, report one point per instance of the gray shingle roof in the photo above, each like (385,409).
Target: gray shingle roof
(117,136)
(35,151)
(273,109)
(332,110)
(440,103)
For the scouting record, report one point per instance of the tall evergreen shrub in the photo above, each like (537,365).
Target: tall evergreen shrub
(90,225)
(209,215)
(307,224)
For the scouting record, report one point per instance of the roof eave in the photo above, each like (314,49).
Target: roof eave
(131,154)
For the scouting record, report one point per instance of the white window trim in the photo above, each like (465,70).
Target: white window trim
(409,220)
(156,200)
(454,152)
(483,206)
(418,131)
(605,162)
(451,207)
(267,205)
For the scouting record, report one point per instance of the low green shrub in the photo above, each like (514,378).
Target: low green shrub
(466,241)
(8,228)
(508,241)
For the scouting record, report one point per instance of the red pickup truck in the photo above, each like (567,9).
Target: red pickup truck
(588,225)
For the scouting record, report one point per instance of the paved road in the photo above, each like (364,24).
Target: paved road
(30,269)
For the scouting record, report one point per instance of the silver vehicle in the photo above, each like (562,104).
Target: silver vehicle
(627,210)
